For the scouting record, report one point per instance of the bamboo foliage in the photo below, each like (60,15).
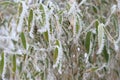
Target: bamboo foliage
(59,40)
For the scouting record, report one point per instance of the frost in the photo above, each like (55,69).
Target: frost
(113,9)
(20,24)
(78,49)
(100,38)
(59,58)
(116,46)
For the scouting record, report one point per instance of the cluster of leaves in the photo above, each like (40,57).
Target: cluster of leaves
(44,41)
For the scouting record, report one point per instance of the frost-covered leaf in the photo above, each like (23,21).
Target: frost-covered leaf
(105,54)
(57,43)
(77,26)
(96,25)
(30,19)
(87,41)
(100,37)
(94,9)
(42,14)
(14,63)
(23,40)
(1,63)
(20,9)
(55,54)
(46,36)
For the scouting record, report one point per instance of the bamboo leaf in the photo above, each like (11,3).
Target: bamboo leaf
(42,13)
(46,36)
(94,9)
(1,63)
(96,25)
(105,54)
(57,43)
(20,9)
(23,40)
(100,37)
(30,18)
(14,63)
(87,41)
(55,55)
(77,26)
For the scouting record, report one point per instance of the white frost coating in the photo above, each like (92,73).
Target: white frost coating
(113,9)
(78,49)
(5,65)
(59,58)
(72,9)
(100,38)
(82,2)
(20,24)
(116,46)
(13,33)
(32,29)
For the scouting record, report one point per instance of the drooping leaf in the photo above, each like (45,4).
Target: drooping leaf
(94,9)
(57,43)
(77,26)
(20,9)
(20,67)
(46,36)
(96,25)
(1,63)
(55,54)
(14,63)
(105,54)
(87,41)
(100,37)
(23,40)
(30,18)
(42,14)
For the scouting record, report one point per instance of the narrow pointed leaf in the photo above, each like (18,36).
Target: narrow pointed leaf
(23,40)
(1,63)
(87,41)
(30,19)
(100,37)
(14,63)
(46,36)
(105,54)
(55,55)
(20,9)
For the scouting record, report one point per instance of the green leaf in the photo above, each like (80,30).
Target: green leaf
(20,9)
(23,40)
(105,54)
(1,63)
(14,63)
(87,41)
(42,14)
(46,36)
(94,9)
(30,18)
(20,67)
(96,25)
(55,55)
(57,43)
(77,26)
